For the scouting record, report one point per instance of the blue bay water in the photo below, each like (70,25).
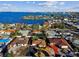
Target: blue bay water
(17,17)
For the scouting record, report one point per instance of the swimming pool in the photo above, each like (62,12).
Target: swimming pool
(4,40)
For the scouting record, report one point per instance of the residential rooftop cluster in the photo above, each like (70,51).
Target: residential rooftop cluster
(56,37)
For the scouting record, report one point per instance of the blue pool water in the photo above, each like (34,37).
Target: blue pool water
(4,40)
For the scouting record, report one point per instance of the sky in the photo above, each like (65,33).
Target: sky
(39,6)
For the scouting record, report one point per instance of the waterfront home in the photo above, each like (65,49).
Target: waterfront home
(36,31)
(75,42)
(6,33)
(3,45)
(39,42)
(1,54)
(18,46)
(1,26)
(51,34)
(60,42)
(24,32)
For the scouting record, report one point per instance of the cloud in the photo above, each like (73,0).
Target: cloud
(61,3)
(69,10)
(6,7)
(55,6)
(48,3)
(33,2)
(72,8)
(27,1)
(52,6)
(7,4)
(51,3)
(45,6)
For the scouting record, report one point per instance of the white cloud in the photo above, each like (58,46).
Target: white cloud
(33,2)
(72,8)
(27,1)
(6,4)
(6,7)
(55,6)
(61,3)
(52,6)
(48,6)
(48,3)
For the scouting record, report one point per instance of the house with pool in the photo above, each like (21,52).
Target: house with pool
(3,45)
